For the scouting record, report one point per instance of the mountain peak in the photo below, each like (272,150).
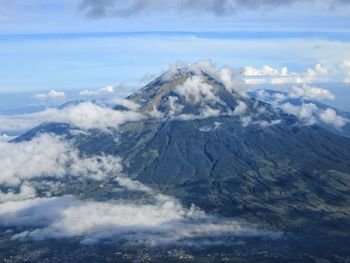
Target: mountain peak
(190,90)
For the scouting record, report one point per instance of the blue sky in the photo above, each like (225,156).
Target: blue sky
(81,44)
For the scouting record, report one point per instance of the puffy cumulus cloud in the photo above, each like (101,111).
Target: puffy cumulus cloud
(270,75)
(304,92)
(265,71)
(306,112)
(102,8)
(50,156)
(162,222)
(84,115)
(196,90)
(311,93)
(25,192)
(318,73)
(311,114)
(90,116)
(330,116)
(51,95)
(94,93)
(339,72)
(230,78)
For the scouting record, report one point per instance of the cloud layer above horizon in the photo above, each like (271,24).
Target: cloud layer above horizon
(102,8)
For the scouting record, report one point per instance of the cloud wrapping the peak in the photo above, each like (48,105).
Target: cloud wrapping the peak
(196,90)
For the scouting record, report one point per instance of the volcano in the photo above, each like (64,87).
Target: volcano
(207,143)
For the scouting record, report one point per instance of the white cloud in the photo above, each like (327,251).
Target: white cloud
(130,105)
(269,75)
(338,72)
(306,112)
(318,73)
(311,114)
(25,192)
(204,113)
(329,116)
(90,116)
(246,120)
(196,90)
(102,91)
(174,107)
(311,93)
(51,95)
(229,77)
(240,109)
(84,115)
(50,156)
(162,222)
(265,71)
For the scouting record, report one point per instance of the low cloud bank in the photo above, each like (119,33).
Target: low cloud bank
(157,220)
(163,222)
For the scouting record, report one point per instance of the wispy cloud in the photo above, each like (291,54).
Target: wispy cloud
(94,93)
